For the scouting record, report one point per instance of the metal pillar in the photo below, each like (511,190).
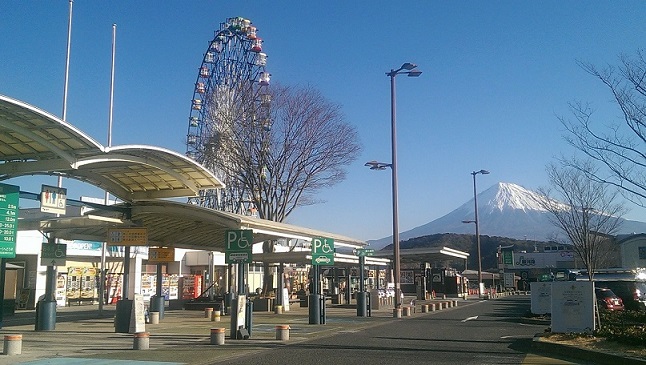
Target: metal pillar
(280,284)
(314,299)
(124,306)
(361,294)
(239,306)
(158,301)
(46,308)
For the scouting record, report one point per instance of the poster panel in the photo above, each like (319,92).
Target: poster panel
(572,307)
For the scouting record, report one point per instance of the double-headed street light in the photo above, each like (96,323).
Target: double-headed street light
(475,202)
(409,70)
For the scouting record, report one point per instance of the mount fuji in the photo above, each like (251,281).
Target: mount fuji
(504,210)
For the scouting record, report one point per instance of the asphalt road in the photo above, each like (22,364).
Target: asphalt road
(481,332)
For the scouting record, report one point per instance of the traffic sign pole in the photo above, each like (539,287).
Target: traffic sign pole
(46,308)
(314,298)
(361,295)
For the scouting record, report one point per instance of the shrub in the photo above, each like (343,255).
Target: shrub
(627,327)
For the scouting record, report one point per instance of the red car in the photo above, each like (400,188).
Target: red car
(606,299)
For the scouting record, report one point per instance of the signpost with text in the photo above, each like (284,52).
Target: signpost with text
(53,254)
(322,254)
(9,197)
(238,250)
(361,295)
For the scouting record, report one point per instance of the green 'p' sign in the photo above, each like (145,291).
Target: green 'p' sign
(239,244)
(322,251)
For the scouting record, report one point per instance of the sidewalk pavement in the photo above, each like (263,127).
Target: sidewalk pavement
(82,336)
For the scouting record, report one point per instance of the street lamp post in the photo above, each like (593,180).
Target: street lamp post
(475,202)
(410,70)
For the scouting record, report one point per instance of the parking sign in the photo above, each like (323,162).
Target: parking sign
(322,251)
(239,244)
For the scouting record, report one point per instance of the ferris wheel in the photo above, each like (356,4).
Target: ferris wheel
(231,90)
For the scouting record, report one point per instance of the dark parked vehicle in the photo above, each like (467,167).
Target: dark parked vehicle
(608,300)
(633,293)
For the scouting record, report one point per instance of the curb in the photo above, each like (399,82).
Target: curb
(597,357)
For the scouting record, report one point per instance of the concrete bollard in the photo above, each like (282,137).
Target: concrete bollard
(282,332)
(215,316)
(141,341)
(154,317)
(208,312)
(432,307)
(397,312)
(455,303)
(12,344)
(406,311)
(424,308)
(278,309)
(217,336)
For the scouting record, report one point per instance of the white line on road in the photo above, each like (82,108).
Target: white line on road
(470,318)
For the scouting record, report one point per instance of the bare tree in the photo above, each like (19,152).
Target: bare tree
(282,159)
(585,211)
(620,148)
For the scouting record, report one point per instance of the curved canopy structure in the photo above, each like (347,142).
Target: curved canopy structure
(34,142)
(180,225)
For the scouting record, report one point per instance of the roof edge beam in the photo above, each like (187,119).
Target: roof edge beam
(13,169)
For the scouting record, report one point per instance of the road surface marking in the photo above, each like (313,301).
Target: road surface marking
(470,318)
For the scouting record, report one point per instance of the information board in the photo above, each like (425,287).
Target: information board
(161,254)
(53,199)
(53,254)
(9,198)
(364,252)
(572,307)
(138,315)
(136,236)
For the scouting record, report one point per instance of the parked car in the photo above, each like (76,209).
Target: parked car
(632,293)
(608,300)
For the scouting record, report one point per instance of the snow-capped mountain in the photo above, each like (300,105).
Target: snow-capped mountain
(505,210)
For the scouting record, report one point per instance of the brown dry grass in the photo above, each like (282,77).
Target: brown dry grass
(596,343)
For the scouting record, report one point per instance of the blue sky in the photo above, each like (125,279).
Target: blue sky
(496,74)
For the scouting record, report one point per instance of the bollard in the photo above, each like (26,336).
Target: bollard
(141,341)
(424,308)
(13,344)
(282,332)
(208,312)
(455,303)
(278,309)
(217,336)
(397,312)
(406,311)
(215,317)
(432,306)
(449,304)
(154,317)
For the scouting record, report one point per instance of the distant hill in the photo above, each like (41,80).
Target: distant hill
(504,210)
